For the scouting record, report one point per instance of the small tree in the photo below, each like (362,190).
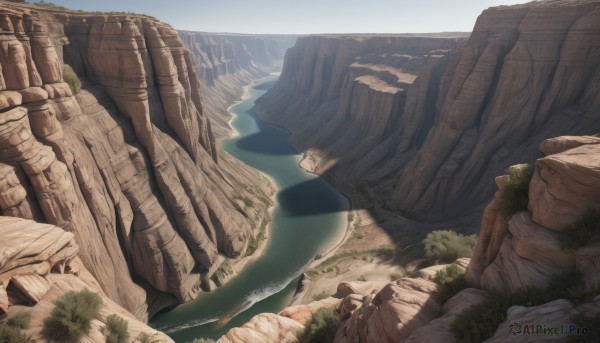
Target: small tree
(10,334)
(445,246)
(115,330)
(321,327)
(71,316)
(70,77)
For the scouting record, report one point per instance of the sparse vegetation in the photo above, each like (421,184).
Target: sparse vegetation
(365,255)
(255,241)
(585,231)
(322,295)
(516,193)
(223,270)
(445,246)
(321,327)
(71,316)
(115,330)
(144,337)
(450,281)
(479,322)
(70,77)
(11,334)
(20,320)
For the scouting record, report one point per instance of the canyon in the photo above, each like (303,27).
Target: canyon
(129,164)
(422,124)
(123,187)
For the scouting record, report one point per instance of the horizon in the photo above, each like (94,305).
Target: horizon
(310,17)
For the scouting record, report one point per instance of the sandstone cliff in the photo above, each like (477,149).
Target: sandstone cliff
(227,62)
(38,264)
(511,255)
(424,124)
(128,165)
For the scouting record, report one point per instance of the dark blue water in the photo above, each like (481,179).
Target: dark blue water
(307,216)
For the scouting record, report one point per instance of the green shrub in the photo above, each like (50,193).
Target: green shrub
(450,281)
(20,320)
(71,316)
(321,327)
(115,329)
(516,193)
(71,79)
(395,276)
(591,323)
(479,322)
(585,231)
(445,246)
(322,295)
(11,334)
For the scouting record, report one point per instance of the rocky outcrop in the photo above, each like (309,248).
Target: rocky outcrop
(525,251)
(225,63)
(425,131)
(510,255)
(128,165)
(38,264)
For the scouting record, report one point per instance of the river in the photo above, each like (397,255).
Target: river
(308,214)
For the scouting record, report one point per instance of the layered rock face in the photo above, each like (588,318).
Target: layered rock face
(426,135)
(38,264)
(227,62)
(511,255)
(128,165)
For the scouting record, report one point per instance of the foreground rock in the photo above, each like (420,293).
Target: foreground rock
(128,165)
(38,264)
(425,123)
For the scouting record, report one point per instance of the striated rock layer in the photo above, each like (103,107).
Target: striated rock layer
(427,130)
(38,264)
(227,62)
(128,165)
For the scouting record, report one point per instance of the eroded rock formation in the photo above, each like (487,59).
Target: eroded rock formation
(425,124)
(38,264)
(227,62)
(128,165)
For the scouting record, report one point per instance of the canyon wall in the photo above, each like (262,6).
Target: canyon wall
(423,124)
(129,164)
(227,62)
(512,254)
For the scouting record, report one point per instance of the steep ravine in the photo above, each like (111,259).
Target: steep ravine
(129,164)
(225,63)
(423,124)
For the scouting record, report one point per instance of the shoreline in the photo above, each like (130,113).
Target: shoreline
(344,227)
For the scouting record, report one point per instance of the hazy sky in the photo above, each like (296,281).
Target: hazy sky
(303,16)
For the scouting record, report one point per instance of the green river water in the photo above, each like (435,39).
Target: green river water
(308,212)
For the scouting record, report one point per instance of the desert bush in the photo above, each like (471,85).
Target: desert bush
(479,322)
(395,276)
(115,330)
(321,327)
(144,337)
(71,316)
(71,79)
(585,231)
(516,193)
(322,295)
(445,246)
(449,281)
(20,320)
(11,334)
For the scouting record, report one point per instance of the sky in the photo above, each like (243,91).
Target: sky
(303,16)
